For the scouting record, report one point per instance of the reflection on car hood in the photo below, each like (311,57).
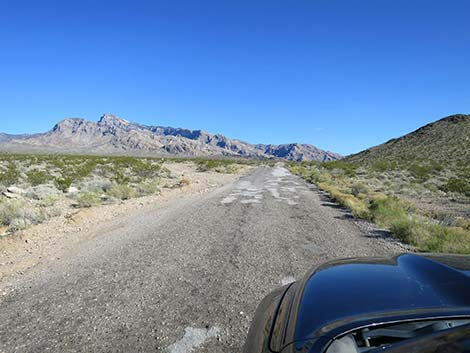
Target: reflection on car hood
(403,287)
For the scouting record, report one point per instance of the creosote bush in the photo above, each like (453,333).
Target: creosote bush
(10,175)
(63,184)
(457,185)
(88,199)
(121,192)
(38,177)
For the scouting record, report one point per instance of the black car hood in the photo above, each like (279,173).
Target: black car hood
(353,292)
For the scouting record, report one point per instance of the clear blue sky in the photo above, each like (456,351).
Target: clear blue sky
(342,75)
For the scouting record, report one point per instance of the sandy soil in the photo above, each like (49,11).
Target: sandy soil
(47,241)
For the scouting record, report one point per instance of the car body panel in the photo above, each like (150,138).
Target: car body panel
(408,283)
(344,295)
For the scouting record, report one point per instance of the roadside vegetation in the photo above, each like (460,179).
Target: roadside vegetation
(423,203)
(34,188)
(221,165)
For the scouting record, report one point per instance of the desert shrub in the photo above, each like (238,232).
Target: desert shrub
(432,237)
(121,192)
(10,175)
(18,215)
(84,170)
(19,224)
(97,185)
(48,201)
(38,177)
(463,223)
(427,232)
(41,192)
(206,165)
(63,184)
(357,206)
(446,239)
(403,229)
(348,169)
(420,172)
(232,168)
(457,185)
(383,165)
(431,187)
(145,169)
(359,188)
(88,199)
(312,176)
(148,188)
(10,210)
(121,178)
(57,162)
(386,210)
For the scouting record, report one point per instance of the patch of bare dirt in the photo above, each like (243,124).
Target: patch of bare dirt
(47,241)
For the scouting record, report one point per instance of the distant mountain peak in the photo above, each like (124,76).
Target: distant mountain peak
(111,119)
(68,123)
(112,134)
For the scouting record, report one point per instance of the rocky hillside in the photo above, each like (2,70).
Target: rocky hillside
(113,135)
(445,141)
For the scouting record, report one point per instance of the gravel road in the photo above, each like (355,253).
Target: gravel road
(185,278)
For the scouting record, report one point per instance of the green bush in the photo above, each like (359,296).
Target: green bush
(383,165)
(121,192)
(9,176)
(88,199)
(121,179)
(232,169)
(145,169)
(206,165)
(403,229)
(38,177)
(386,210)
(461,186)
(349,169)
(84,170)
(420,172)
(63,184)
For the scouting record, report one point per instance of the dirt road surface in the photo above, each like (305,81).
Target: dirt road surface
(183,278)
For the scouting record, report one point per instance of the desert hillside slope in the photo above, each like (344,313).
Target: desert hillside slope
(113,135)
(445,141)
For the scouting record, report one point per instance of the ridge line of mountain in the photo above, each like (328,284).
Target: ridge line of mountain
(114,135)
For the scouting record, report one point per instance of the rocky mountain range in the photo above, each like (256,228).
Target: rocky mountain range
(113,135)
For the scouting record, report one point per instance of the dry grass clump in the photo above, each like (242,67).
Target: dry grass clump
(379,200)
(17,214)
